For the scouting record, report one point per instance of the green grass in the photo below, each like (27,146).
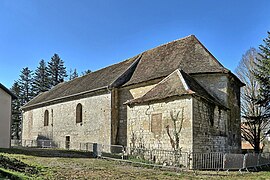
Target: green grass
(57,164)
(13,174)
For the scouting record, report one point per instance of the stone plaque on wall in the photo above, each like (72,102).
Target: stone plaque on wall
(156,124)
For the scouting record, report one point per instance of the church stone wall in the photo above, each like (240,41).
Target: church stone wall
(125,94)
(95,126)
(234,114)
(209,127)
(216,84)
(147,124)
(227,90)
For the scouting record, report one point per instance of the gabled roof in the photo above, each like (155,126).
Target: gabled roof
(100,79)
(8,91)
(177,83)
(187,53)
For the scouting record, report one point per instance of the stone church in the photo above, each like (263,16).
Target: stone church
(174,96)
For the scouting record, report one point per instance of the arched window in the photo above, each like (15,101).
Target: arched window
(79,113)
(46,118)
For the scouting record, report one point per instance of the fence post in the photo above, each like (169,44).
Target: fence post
(189,164)
(123,152)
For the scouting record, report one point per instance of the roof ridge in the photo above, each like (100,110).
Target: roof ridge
(132,65)
(182,79)
(214,58)
(186,37)
(100,69)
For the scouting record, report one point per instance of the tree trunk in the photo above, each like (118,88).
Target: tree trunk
(257,146)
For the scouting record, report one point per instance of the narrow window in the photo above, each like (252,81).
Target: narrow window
(79,113)
(46,118)
(67,142)
(211,114)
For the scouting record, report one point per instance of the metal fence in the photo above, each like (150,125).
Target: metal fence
(228,161)
(203,161)
(233,161)
(160,157)
(85,146)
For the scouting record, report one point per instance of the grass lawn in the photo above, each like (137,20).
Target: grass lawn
(58,164)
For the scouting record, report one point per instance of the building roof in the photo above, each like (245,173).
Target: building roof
(8,91)
(100,79)
(177,83)
(186,53)
(247,146)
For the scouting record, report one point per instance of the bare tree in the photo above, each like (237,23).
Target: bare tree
(177,127)
(254,126)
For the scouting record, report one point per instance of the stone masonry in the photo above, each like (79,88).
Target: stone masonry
(95,126)
(143,102)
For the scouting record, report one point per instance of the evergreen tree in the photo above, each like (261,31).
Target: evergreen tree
(41,78)
(86,72)
(57,70)
(254,124)
(263,72)
(26,85)
(23,89)
(73,74)
(16,113)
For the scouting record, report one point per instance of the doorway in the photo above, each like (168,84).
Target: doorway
(67,142)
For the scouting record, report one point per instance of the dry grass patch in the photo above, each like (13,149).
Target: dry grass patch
(53,167)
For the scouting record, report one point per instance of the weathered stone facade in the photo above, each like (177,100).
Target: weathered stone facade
(227,91)
(95,126)
(127,93)
(209,127)
(144,101)
(143,132)
(210,133)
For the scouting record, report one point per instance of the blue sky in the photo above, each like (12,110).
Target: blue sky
(91,34)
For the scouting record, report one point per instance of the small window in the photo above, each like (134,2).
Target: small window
(67,142)
(46,118)
(79,113)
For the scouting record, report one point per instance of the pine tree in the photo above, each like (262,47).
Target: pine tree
(26,85)
(57,70)
(16,113)
(41,78)
(73,74)
(263,72)
(23,89)
(86,72)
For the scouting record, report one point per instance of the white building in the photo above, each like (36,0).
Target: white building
(5,116)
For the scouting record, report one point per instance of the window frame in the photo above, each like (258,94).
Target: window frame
(46,118)
(79,113)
